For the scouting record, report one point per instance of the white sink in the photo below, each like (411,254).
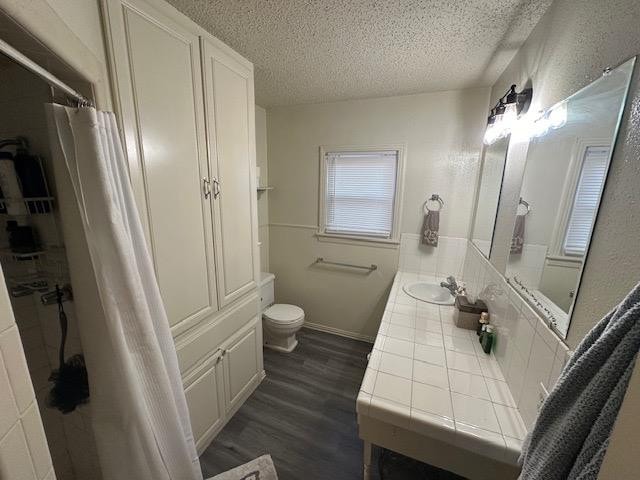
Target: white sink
(429,292)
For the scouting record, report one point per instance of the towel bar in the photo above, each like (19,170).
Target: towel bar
(370,268)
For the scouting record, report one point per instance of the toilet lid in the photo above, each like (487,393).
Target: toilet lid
(283,313)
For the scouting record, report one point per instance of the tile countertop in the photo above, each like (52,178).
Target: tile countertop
(431,377)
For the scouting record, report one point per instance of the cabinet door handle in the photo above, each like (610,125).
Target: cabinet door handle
(206,187)
(216,188)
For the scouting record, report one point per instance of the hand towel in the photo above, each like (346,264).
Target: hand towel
(571,435)
(430,228)
(517,240)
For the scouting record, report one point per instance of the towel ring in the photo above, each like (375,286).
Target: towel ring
(433,198)
(525,204)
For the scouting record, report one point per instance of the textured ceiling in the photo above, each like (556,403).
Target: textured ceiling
(308,51)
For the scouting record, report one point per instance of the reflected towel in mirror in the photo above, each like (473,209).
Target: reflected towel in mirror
(517,240)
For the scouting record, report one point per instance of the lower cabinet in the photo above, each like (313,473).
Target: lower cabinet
(205,402)
(241,368)
(218,386)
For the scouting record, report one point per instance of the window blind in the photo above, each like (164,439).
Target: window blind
(360,192)
(586,200)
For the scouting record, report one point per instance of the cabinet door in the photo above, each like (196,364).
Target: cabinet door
(231,134)
(156,65)
(242,365)
(206,402)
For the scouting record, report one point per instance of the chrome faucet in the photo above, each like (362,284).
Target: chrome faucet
(450,285)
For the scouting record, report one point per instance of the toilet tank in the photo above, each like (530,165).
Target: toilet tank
(267,296)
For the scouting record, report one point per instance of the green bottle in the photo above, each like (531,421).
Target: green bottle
(487,339)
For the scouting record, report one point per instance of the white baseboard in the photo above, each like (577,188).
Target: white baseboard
(337,331)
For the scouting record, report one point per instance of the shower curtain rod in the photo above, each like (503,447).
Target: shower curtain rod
(45,75)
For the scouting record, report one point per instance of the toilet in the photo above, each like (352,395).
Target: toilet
(280,321)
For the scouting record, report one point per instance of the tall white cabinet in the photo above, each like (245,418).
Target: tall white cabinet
(186,105)
(230,107)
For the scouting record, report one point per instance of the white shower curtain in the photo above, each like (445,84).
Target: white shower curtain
(139,413)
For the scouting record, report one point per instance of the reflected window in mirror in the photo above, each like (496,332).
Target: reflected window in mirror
(566,168)
(491,175)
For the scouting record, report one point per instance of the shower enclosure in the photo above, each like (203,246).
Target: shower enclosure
(33,259)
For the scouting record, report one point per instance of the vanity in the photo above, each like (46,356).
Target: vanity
(431,393)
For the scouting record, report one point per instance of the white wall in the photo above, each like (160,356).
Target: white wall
(442,133)
(83,17)
(263,197)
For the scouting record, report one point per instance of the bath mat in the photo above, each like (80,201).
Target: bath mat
(261,468)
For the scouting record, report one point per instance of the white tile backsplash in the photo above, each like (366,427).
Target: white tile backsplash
(441,261)
(527,353)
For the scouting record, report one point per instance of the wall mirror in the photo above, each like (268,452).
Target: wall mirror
(495,156)
(566,168)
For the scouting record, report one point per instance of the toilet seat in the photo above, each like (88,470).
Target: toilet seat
(283,314)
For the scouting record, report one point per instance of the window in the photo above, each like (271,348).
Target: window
(360,193)
(586,200)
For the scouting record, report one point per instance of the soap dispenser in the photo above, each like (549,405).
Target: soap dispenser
(488,337)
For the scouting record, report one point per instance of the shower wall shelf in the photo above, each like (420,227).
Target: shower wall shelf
(34,205)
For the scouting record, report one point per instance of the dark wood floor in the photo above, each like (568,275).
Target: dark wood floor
(303,413)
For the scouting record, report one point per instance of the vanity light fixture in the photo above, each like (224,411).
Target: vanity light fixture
(539,125)
(504,115)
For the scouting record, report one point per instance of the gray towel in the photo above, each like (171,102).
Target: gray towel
(517,240)
(430,228)
(571,434)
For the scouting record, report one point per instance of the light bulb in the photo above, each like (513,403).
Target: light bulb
(540,127)
(522,129)
(510,116)
(490,134)
(558,115)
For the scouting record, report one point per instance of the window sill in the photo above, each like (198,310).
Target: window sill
(355,240)
(564,261)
